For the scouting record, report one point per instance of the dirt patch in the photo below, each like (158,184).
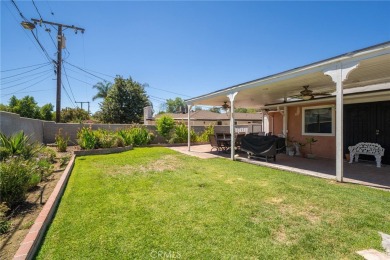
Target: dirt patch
(165,163)
(23,217)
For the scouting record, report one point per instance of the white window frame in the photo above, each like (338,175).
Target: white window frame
(319,107)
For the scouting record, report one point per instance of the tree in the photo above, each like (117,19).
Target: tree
(73,115)
(125,102)
(25,107)
(103,89)
(165,126)
(215,110)
(28,107)
(176,105)
(47,112)
(245,110)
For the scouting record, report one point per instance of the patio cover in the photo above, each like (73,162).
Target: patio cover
(361,75)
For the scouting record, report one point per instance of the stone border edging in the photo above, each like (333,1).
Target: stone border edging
(103,151)
(31,242)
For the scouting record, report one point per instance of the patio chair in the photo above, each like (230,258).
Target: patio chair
(214,144)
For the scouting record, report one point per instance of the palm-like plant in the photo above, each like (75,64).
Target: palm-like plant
(103,88)
(19,144)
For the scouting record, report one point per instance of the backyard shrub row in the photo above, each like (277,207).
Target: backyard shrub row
(92,139)
(138,135)
(178,132)
(23,164)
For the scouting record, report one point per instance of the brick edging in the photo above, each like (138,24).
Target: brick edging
(31,242)
(103,151)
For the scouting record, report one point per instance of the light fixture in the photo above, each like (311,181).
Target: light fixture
(225,106)
(28,25)
(307,97)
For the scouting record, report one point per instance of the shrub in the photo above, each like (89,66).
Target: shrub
(86,138)
(48,154)
(61,141)
(181,134)
(4,153)
(204,136)
(165,126)
(15,175)
(136,135)
(17,144)
(4,223)
(119,141)
(42,168)
(107,140)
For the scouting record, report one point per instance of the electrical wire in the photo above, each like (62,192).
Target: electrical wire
(67,94)
(23,72)
(47,29)
(35,37)
(16,92)
(24,31)
(85,71)
(18,79)
(66,75)
(39,90)
(26,81)
(46,63)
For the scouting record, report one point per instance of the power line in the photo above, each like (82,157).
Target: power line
(25,81)
(27,76)
(67,94)
(46,29)
(24,31)
(20,13)
(66,75)
(85,71)
(147,86)
(35,37)
(23,72)
(16,92)
(46,63)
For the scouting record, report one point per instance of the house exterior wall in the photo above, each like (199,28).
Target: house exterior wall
(277,123)
(325,146)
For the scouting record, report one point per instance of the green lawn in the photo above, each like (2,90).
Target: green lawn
(155,203)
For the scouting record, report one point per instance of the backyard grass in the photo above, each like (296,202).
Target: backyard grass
(156,203)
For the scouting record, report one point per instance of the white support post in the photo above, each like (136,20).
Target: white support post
(232,140)
(189,127)
(285,121)
(338,75)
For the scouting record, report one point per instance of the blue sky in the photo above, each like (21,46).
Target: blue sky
(183,49)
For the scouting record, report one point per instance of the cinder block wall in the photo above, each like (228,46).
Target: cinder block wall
(45,131)
(11,123)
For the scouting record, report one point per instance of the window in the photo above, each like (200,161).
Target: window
(318,121)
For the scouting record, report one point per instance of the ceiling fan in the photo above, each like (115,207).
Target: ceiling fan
(225,106)
(307,94)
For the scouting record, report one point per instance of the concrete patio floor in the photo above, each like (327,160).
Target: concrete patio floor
(364,173)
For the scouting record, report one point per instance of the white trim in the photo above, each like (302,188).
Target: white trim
(319,134)
(346,61)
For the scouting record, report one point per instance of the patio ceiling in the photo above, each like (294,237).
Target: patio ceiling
(374,68)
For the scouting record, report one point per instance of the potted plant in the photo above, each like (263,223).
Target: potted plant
(290,148)
(298,146)
(310,141)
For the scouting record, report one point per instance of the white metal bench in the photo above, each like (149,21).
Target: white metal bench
(368,149)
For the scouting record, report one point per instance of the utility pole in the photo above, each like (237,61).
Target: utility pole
(60,44)
(82,102)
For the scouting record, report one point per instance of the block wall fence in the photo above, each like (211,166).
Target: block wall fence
(45,131)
